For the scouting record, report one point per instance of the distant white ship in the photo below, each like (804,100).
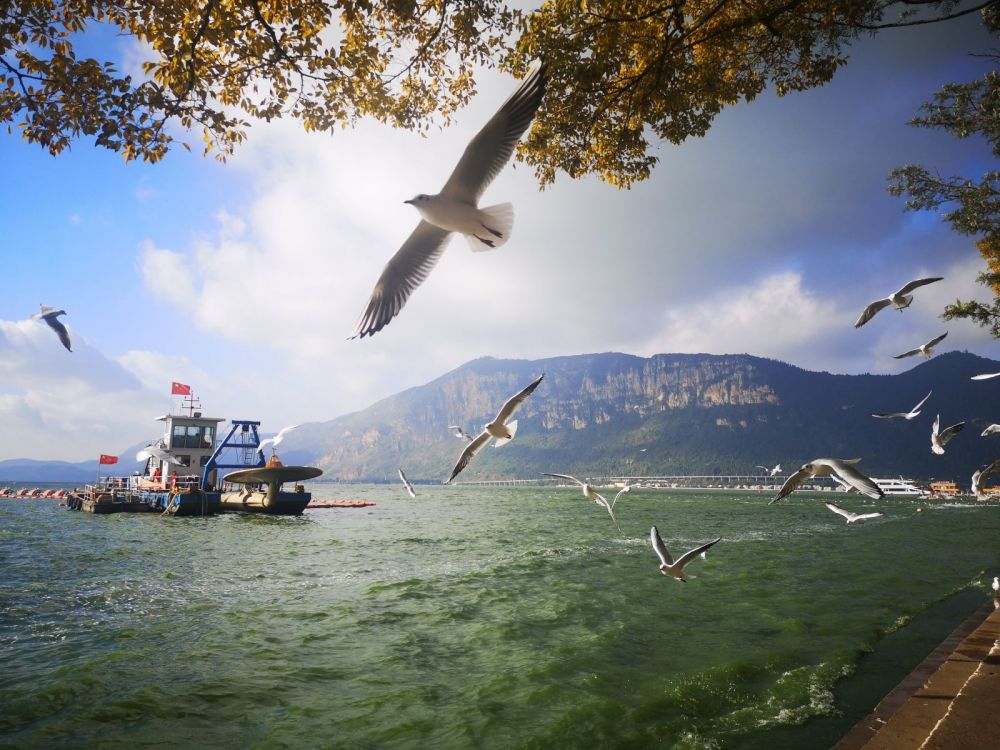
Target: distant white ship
(899,486)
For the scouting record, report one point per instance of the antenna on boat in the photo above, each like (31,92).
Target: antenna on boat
(191,402)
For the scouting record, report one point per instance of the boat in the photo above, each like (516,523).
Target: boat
(182,474)
(900,486)
(945,489)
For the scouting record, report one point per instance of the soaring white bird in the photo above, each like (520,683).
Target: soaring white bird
(851,517)
(51,316)
(667,565)
(772,471)
(274,441)
(455,208)
(940,438)
(160,453)
(911,414)
(591,493)
(926,349)
(996,586)
(406,483)
(499,428)
(843,468)
(979,478)
(991,430)
(986,376)
(900,300)
(459,432)
(622,491)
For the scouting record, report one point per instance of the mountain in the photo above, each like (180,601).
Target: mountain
(610,414)
(29,470)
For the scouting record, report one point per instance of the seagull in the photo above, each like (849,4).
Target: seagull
(771,472)
(979,478)
(851,517)
(926,349)
(911,414)
(459,432)
(50,315)
(667,565)
(900,300)
(159,453)
(991,430)
(986,376)
(274,441)
(996,586)
(940,438)
(591,493)
(406,483)
(455,208)
(843,468)
(499,428)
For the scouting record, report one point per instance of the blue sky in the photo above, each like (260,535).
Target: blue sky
(244,280)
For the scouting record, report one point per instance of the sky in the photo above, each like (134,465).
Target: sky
(244,280)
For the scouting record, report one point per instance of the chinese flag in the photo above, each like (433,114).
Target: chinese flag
(106,459)
(179,389)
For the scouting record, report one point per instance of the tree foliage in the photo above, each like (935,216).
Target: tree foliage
(624,73)
(971,207)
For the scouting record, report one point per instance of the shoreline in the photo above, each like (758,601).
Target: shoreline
(948,701)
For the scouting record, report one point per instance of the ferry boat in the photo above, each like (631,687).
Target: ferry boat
(944,488)
(904,487)
(182,475)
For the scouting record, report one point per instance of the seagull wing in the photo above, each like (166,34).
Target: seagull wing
(689,556)
(917,283)
(893,415)
(790,484)
(765,468)
(622,491)
(266,444)
(990,430)
(865,516)
(659,547)
(406,483)
(916,409)
(563,476)
(470,450)
(853,477)
(56,325)
(493,146)
(870,311)
(284,431)
(949,432)
(515,401)
(840,511)
(404,272)
(907,354)
(935,342)
(986,376)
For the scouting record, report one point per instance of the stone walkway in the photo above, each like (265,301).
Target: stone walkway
(950,702)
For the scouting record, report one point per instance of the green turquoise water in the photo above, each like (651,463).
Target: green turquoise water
(474,617)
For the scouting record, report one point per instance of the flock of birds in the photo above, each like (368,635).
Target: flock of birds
(455,210)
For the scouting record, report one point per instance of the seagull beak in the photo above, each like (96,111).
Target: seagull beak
(409,201)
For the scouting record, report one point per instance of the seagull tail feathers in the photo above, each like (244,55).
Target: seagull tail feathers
(512,427)
(497,222)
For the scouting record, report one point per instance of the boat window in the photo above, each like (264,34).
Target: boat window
(185,460)
(208,437)
(204,460)
(178,439)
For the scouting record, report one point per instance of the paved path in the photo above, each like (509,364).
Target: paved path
(950,702)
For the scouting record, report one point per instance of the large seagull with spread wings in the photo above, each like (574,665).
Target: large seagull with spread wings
(455,208)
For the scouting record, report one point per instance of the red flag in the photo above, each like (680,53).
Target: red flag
(106,459)
(179,389)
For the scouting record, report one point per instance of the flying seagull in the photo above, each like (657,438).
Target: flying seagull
(499,428)
(851,517)
(274,441)
(986,376)
(50,315)
(455,208)
(771,472)
(406,483)
(900,300)
(926,349)
(160,454)
(940,438)
(992,429)
(911,414)
(843,468)
(667,565)
(459,432)
(979,478)
(591,493)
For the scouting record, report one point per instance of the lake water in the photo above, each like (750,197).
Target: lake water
(475,617)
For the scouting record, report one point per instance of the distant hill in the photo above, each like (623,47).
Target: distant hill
(611,414)
(600,414)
